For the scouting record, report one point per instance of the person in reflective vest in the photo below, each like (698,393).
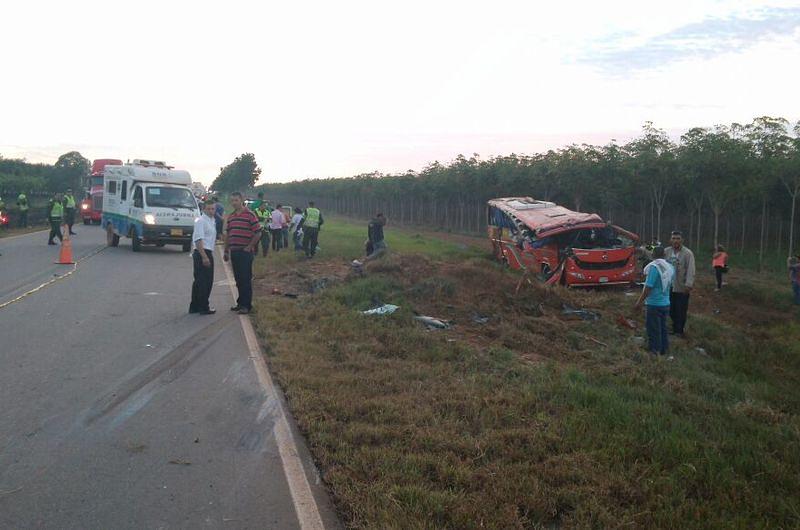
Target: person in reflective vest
(311,225)
(263,214)
(22,205)
(69,210)
(55,213)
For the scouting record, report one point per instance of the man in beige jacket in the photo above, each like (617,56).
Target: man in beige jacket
(683,260)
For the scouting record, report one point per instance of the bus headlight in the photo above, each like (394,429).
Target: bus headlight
(149,219)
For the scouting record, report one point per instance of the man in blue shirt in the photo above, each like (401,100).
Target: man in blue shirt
(655,296)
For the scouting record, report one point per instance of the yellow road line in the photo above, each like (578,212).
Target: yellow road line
(304,503)
(52,280)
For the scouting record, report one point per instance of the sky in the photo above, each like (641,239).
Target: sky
(324,89)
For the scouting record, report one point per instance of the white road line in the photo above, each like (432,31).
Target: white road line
(9,238)
(304,504)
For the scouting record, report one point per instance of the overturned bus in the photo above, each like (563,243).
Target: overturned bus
(559,245)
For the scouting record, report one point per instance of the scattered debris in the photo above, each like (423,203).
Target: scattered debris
(433,323)
(587,337)
(637,340)
(148,346)
(290,295)
(197,440)
(276,291)
(357,267)
(631,293)
(479,318)
(319,284)
(701,351)
(179,462)
(583,314)
(625,322)
(385,309)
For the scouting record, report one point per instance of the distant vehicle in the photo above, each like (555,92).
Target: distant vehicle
(3,219)
(92,204)
(198,189)
(149,202)
(559,245)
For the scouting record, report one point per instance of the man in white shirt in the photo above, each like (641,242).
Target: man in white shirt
(203,238)
(276,224)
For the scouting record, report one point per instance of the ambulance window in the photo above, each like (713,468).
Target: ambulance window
(138,198)
(112,187)
(124,193)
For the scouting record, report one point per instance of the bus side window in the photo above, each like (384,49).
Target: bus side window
(112,187)
(124,193)
(138,201)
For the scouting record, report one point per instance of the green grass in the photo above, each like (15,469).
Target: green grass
(524,422)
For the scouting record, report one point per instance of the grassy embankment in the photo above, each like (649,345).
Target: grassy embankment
(530,419)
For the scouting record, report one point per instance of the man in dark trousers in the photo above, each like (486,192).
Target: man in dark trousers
(69,210)
(203,238)
(55,214)
(311,225)
(242,234)
(376,246)
(682,259)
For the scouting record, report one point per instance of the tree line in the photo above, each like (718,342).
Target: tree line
(735,185)
(20,176)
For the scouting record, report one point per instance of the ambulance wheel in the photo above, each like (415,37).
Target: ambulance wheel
(186,247)
(136,243)
(87,221)
(112,239)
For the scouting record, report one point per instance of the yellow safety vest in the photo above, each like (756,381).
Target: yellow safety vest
(70,201)
(57,212)
(22,200)
(312,218)
(263,216)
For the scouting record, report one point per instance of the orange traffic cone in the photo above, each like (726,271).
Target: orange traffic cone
(65,256)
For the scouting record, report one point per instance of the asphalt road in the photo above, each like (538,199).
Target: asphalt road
(120,410)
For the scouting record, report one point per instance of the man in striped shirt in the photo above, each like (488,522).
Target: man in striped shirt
(243,232)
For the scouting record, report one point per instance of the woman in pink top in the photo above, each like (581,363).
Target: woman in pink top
(720,263)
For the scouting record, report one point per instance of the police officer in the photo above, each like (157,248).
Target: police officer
(22,205)
(69,210)
(311,225)
(263,213)
(55,213)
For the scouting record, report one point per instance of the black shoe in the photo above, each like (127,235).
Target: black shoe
(235,308)
(209,311)
(244,311)
(50,243)
(73,233)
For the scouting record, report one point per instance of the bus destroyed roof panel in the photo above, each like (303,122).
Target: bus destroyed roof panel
(546,218)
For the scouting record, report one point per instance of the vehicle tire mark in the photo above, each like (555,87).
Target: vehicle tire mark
(167,368)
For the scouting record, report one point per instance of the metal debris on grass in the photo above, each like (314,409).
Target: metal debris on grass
(583,314)
(433,323)
(385,309)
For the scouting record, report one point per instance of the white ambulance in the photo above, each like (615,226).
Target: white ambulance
(149,202)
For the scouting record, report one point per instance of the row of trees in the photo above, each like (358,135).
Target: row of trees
(18,175)
(731,184)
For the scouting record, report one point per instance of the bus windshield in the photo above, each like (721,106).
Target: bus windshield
(166,197)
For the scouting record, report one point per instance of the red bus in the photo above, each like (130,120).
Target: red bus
(559,245)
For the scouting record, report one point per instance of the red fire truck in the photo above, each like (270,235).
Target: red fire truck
(92,204)
(559,245)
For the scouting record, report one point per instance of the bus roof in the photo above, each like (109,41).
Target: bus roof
(546,218)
